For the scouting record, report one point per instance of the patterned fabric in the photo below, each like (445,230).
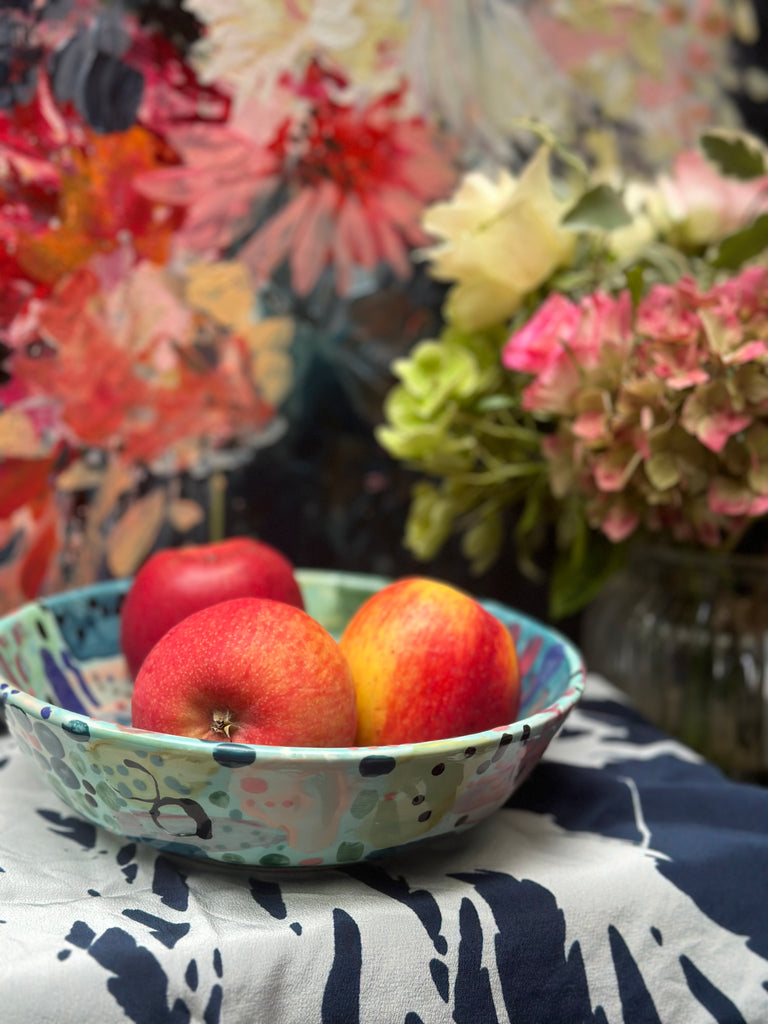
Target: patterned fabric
(627,881)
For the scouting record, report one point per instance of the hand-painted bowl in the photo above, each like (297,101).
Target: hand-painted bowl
(66,693)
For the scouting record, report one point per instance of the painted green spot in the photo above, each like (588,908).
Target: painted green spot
(364,803)
(233,858)
(219,798)
(349,851)
(274,860)
(108,796)
(178,787)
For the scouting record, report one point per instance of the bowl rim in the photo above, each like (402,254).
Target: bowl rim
(99,729)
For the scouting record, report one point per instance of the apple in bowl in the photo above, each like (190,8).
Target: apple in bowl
(248,670)
(175,582)
(429,662)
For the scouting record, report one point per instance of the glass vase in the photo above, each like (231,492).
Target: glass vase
(685,635)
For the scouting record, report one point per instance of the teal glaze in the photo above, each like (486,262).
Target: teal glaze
(66,695)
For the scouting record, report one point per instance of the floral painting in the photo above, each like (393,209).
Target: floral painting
(214,217)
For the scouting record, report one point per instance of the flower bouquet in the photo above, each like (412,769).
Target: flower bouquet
(603,370)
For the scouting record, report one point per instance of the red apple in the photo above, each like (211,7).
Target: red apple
(429,662)
(175,582)
(250,670)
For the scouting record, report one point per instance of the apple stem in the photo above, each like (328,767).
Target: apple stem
(222,721)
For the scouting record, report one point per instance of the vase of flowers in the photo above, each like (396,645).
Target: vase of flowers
(602,376)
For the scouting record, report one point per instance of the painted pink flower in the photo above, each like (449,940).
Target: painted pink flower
(358,179)
(108,364)
(220,177)
(353,182)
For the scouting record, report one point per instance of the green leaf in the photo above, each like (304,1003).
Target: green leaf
(735,154)
(481,542)
(575,583)
(743,245)
(532,513)
(599,209)
(491,403)
(634,277)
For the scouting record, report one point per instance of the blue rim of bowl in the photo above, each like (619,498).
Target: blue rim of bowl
(99,729)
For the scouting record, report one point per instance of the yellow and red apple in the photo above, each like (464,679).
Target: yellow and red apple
(248,670)
(429,662)
(175,582)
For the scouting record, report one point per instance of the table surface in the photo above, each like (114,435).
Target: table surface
(626,882)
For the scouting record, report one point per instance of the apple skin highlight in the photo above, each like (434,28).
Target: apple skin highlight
(429,662)
(249,670)
(175,582)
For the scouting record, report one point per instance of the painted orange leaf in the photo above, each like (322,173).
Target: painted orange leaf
(133,536)
(184,514)
(98,201)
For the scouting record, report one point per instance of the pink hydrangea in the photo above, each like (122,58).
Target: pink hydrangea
(658,416)
(563,341)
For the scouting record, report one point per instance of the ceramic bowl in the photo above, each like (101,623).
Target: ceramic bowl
(66,694)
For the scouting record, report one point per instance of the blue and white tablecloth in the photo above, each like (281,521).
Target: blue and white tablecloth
(626,883)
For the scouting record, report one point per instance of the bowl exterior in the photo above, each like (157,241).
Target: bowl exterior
(66,693)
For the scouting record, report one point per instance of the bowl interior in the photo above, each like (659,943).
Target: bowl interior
(72,657)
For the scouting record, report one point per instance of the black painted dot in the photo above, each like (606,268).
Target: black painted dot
(88,787)
(41,629)
(419,799)
(470,752)
(374,765)
(438,769)
(233,755)
(526,733)
(504,742)
(461,821)
(91,801)
(425,816)
(483,768)
(77,729)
